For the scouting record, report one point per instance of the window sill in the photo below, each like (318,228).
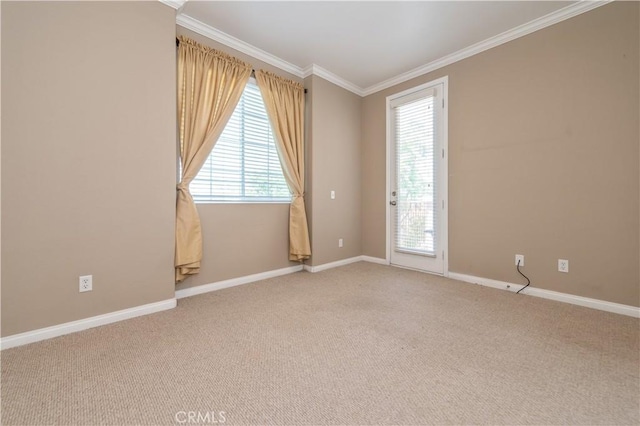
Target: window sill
(242,202)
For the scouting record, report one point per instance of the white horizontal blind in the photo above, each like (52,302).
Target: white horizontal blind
(243,165)
(415,176)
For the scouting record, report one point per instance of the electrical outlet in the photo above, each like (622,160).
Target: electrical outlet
(333,195)
(563,265)
(520,259)
(86,283)
(340,242)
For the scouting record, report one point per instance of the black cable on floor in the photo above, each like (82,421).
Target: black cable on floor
(527,278)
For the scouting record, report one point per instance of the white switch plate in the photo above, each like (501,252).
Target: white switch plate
(563,265)
(333,195)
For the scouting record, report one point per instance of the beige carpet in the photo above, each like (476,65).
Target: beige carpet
(361,344)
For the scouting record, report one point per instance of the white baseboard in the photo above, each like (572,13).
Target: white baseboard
(343,262)
(83,324)
(206,288)
(74,326)
(330,265)
(601,305)
(377,260)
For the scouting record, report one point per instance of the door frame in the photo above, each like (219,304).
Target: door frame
(443,174)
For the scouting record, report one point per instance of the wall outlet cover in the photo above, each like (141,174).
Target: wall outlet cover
(86,283)
(563,265)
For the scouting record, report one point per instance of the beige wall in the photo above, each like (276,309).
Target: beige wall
(308,169)
(544,158)
(241,239)
(88,159)
(543,140)
(244,239)
(335,164)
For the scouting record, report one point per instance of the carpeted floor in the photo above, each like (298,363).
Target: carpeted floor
(360,344)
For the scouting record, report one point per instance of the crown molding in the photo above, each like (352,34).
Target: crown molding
(537,24)
(208,31)
(333,78)
(512,34)
(201,28)
(174,4)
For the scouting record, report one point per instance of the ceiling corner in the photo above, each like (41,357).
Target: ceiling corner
(335,79)
(307,71)
(174,4)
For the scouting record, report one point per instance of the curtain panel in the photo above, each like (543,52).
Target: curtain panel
(284,102)
(210,84)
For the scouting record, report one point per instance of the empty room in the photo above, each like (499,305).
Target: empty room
(321,213)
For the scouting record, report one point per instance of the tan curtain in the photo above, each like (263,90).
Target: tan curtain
(284,102)
(210,84)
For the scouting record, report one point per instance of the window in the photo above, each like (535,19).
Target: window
(414,137)
(243,165)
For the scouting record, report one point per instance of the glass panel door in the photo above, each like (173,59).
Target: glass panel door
(415,203)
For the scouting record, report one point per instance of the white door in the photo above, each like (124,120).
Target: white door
(417,172)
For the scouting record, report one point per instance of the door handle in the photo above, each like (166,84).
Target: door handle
(393,203)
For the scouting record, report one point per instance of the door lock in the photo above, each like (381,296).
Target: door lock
(393,203)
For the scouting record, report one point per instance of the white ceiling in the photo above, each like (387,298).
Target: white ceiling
(368,43)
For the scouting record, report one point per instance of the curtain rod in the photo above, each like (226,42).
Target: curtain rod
(253,72)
